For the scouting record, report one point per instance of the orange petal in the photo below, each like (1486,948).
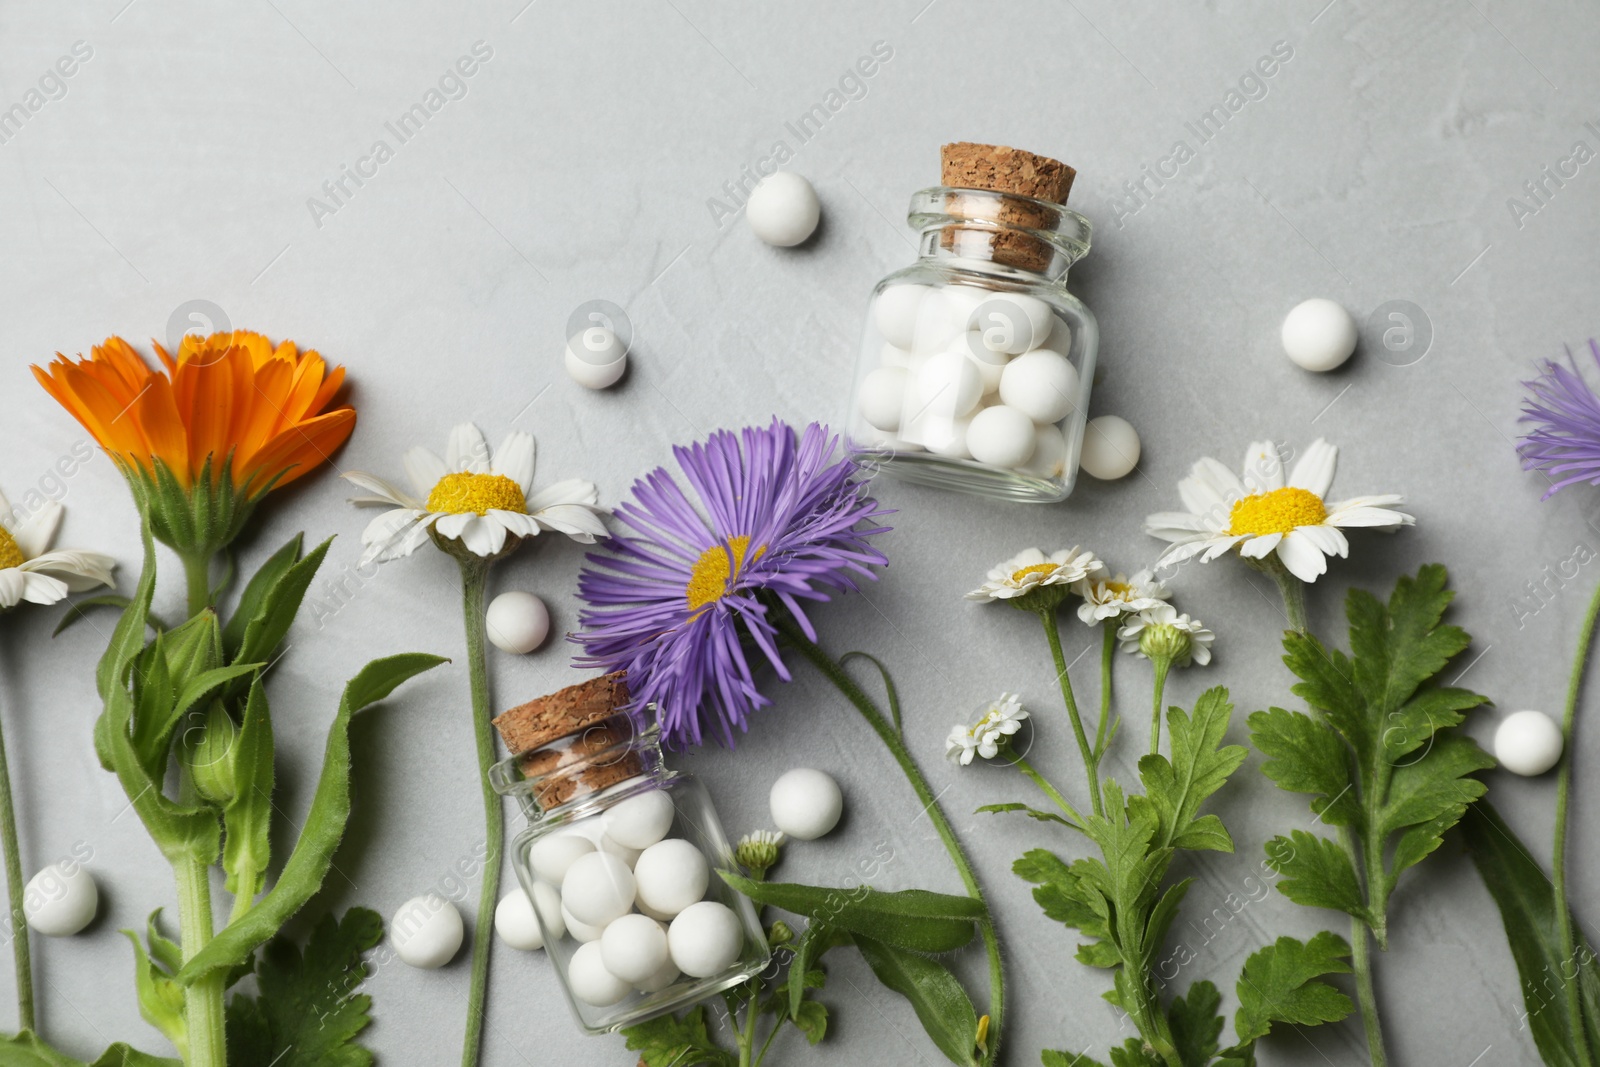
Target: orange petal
(168,440)
(301,449)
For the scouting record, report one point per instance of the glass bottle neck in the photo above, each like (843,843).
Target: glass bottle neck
(580,771)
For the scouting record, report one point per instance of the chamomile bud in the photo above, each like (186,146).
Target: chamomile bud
(758,852)
(1164,641)
(1164,635)
(779,933)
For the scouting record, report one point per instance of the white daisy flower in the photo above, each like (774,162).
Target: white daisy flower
(999,720)
(1109,598)
(758,850)
(1031,569)
(1260,513)
(1162,632)
(473,496)
(30,571)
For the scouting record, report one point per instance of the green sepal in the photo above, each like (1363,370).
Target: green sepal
(197,522)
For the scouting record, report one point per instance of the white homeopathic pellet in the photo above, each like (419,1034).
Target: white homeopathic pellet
(641,821)
(1528,743)
(783,209)
(661,979)
(948,384)
(426,931)
(671,875)
(1013,322)
(705,939)
(1318,334)
(806,803)
(580,931)
(1042,384)
(598,888)
(634,948)
(589,980)
(882,396)
(517,622)
(1001,437)
(1110,448)
(895,313)
(551,856)
(61,899)
(516,923)
(596,358)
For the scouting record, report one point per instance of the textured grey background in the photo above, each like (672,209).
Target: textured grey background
(1377,167)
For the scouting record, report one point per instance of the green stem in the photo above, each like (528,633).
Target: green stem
(197,574)
(1163,665)
(897,748)
(1022,764)
(1292,590)
(1091,761)
(1362,959)
(203,1015)
(1108,651)
(1559,855)
(747,1038)
(765,1045)
(14,888)
(474,581)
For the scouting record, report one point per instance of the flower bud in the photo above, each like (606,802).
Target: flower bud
(1163,641)
(779,934)
(758,851)
(209,746)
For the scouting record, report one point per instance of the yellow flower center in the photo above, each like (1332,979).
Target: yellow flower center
(1037,568)
(717,565)
(1279,511)
(461,492)
(1117,590)
(10,553)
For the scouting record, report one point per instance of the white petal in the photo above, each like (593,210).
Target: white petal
(579,523)
(1226,483)
(76,569)
(451,525)
(35,533)
(1263,467)
(1357,513)
(1302,558)
(1219,546)
(383,492)
(1260,547)
(399,546)
(1204,500)
(516,522)
(1327,539)
(467,450)
(483,536)
(424,469)
(1314,470)
(514,459)
(570,491)
(42,588)
(389,529)
(12,582)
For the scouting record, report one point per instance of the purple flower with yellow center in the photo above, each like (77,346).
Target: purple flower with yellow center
(686,602)
(1565,442)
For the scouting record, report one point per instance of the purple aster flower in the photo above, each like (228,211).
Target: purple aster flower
(686,602)
(1565,443)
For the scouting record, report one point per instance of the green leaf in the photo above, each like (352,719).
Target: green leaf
(1527,902)
(914,919)
(161,1000)
(308,864)
(673,1041)
(28,1049)
(255,591)
(812,1020)
(163,949)
(1317,872)
(1052,1058)
(888,685)
(278,607)
(1281,983)
(308,1012)
(247,847)
(1306,756)
(1196,1024)
(1430,795)
(75,610)
(1030,812)
(942,1006)
(1200,765)
(817,939)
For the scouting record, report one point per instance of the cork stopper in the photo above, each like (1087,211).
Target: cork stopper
(573,742)
(999,169)
(964,165)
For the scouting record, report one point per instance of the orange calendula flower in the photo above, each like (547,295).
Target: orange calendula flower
(226,419)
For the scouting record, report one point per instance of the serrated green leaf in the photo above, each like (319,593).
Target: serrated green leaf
(812,1020)
(941,1004)
(324,825)
(678,1041)
(1196,1024)
(1433,792)
(1316,872)
(1306,756)
(1199,766)
(1281,983)
(914,919)
(1052,1058)
(308,1012)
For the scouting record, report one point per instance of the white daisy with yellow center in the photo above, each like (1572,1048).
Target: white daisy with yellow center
(475,496)
(1031,569)
(999,721)
(1162,631)
(1109,598)
(1261,513)
(30,571)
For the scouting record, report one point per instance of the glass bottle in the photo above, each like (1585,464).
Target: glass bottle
(582,770)
(976,363)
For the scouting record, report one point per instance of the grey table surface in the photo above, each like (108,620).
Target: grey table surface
(1378,163)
